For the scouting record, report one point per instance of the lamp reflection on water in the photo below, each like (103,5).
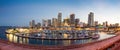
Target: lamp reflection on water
(16,39)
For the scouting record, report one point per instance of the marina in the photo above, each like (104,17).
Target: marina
(57,38)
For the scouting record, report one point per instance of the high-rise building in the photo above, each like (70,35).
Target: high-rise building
(32,23)
(76,22)
(59,19)
(38,25)
(66,22)
(49,22)
(91,19)
(72,19)
(44,23)
(54,22)
(106,23)
(96,23)
(116,24)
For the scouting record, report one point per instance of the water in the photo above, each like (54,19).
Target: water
(16,39)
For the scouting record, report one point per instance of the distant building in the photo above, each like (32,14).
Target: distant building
(38,25)
(76,22)
(106,23)
(116,24)
(72,19)
(81,24)
(66,21)
(96,23)
(44,23)
(32,24)
(91,19)
(54,22)
(59,19)
(84,25)
(49,22)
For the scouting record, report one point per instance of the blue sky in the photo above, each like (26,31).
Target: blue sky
(20,12)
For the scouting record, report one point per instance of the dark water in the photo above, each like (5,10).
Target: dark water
(16,39)
(2,32)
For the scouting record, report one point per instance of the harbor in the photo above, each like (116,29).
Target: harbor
(57,38)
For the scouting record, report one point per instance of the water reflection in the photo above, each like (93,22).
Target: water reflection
(21,40)
(15,39)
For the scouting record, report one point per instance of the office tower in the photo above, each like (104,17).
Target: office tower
(44,23)
(38,25)
(106,24)
(91,19)
(116,24)
(59,19)
(76,22)
(32,24)
(66,21)
(84,25)
(49,22)
(72,19)
(96,23)
(54,22)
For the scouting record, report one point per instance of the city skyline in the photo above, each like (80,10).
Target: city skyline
(19,13)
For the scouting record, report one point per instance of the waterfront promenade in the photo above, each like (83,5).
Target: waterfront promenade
(97,45)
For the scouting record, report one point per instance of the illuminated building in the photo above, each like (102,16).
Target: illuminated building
(91,19)
(66,21)
(54,22)
(59,19)
(106,23)
(49,22)
(32,24)
(117,24)
(96,23)
(38,25)
(72,19)
(44,23)
(76,22)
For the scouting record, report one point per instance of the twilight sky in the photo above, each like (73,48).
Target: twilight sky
(20,12)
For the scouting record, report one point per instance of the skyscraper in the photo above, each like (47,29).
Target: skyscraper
(54,22)
(76,22)
(38,25)
(49,22)
(66,21)
(44,23)
(96,23)
(106,23)
(32,24)
(72,19)
(59,19)
(91,19)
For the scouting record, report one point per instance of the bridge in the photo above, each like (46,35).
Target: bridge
(112,43)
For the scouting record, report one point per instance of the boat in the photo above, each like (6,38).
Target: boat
(95,36)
